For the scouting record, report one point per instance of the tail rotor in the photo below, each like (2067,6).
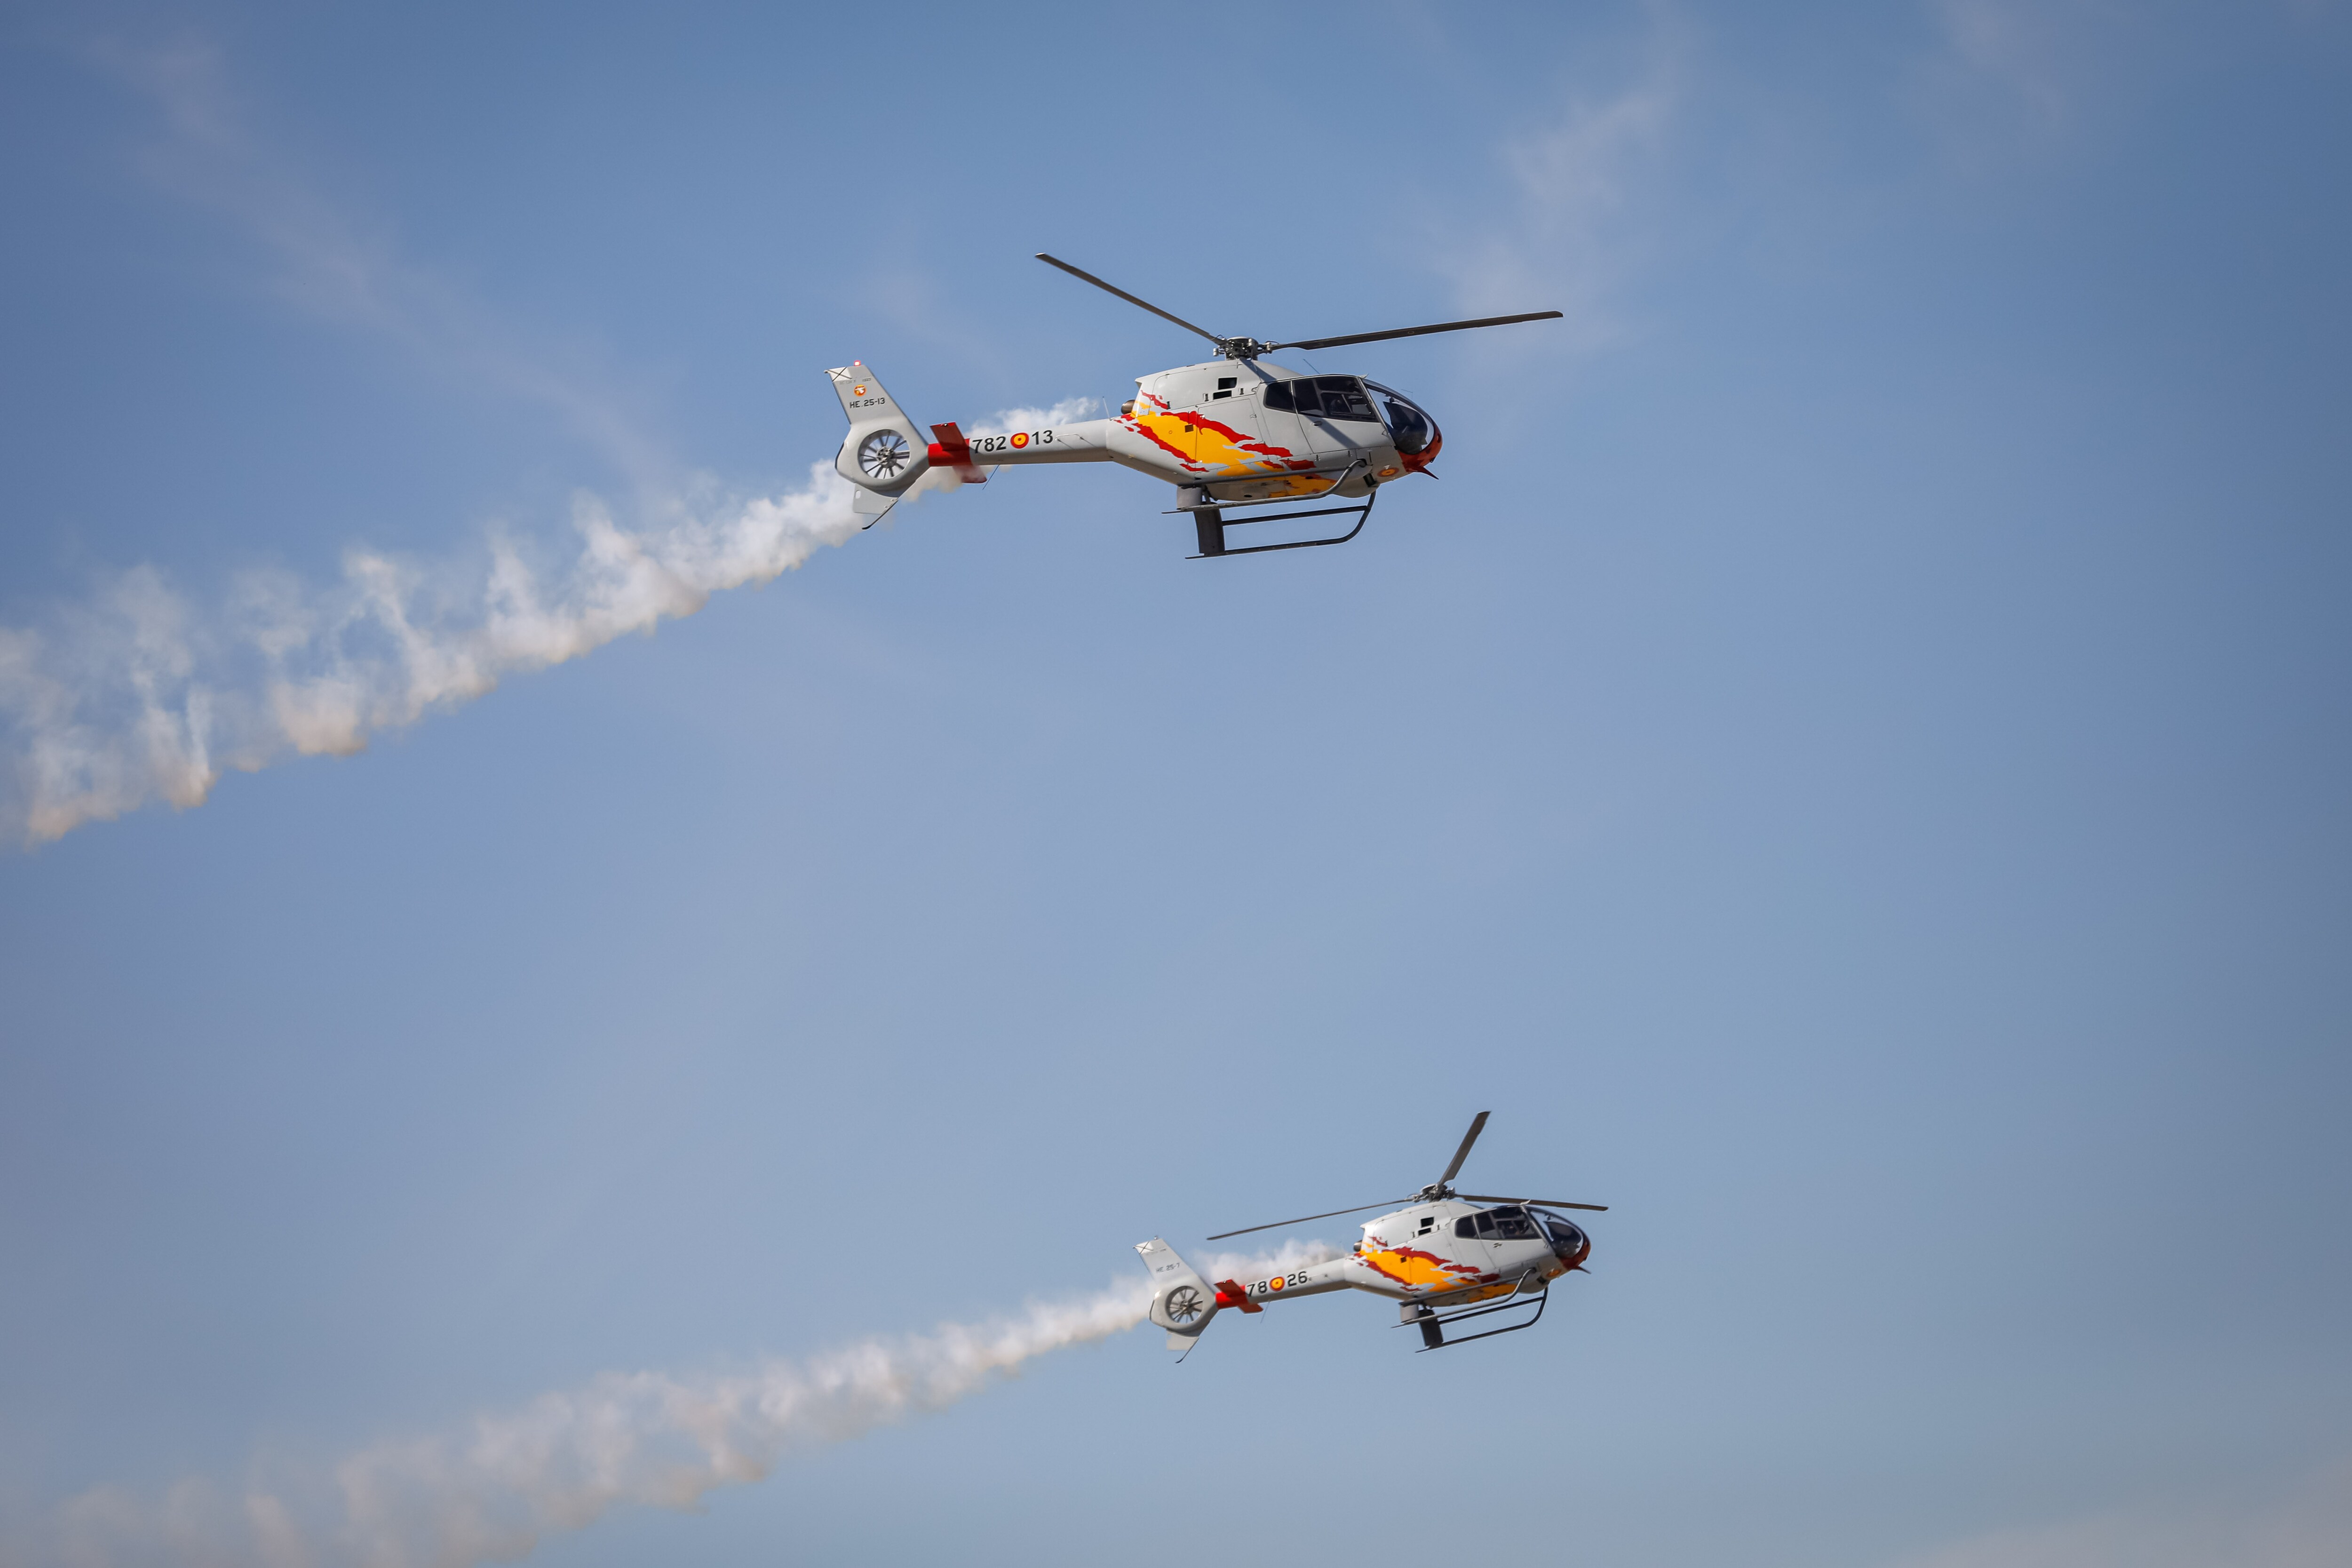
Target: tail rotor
(1181,1301)
(883,455)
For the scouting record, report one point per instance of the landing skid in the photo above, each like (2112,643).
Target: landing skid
(1433,1322)
(1210,522)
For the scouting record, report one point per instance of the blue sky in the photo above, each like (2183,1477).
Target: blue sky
(1849,763)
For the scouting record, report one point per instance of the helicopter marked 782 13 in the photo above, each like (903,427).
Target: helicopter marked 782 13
(1228,433)
(1012,443)
(1440,1256)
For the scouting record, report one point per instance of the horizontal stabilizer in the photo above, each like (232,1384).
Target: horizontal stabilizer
(951,450)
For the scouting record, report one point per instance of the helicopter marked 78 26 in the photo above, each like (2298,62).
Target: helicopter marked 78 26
(1441,1258)
(1230,432)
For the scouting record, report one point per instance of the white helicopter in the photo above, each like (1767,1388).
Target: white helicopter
(1440,1255)
(1227,433)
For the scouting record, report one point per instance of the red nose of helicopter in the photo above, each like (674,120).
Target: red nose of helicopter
(1419,461)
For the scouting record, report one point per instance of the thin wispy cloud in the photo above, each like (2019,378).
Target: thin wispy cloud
(1573,228)
(2010,79)
(333,263)
(2010,45)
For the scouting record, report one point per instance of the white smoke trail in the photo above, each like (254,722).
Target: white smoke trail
(136,695)
(1014,420)
(563,1461)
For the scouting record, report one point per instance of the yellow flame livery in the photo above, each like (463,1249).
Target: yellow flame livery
(1214,449)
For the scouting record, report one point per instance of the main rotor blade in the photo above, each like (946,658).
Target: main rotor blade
(1110,289)
(1367,337)
(1464,1152)
(1537,1203)
(1302,1219)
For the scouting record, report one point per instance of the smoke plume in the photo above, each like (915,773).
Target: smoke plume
(137,694)
(491,1491)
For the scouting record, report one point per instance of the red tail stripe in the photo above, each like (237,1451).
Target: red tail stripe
(952,451)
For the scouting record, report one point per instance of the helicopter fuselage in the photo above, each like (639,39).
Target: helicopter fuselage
(1240,432)
(1448,1253)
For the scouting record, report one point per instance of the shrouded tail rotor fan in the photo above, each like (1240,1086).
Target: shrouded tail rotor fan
(1184,1303)
(883,454)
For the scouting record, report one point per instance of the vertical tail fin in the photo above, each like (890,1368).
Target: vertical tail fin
(1181,1301)
(883,455)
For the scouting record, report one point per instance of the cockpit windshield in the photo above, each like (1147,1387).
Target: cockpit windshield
(1566,1239)
(1409,429)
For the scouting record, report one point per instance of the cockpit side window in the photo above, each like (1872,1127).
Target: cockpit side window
(1498,1225)
(1325,396)
(1343,398)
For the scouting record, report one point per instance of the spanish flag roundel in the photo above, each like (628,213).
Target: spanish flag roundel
(1021,439)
